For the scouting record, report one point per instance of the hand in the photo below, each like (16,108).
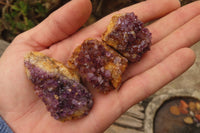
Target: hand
(177,29)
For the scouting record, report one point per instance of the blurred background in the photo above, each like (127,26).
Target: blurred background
(17,16)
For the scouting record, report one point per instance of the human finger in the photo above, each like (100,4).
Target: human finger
(146,11)
(185,36)
(174,20)
(148,82)
(58,25)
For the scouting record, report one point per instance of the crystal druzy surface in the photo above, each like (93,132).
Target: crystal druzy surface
(127,35)
(58,87)
(99,66)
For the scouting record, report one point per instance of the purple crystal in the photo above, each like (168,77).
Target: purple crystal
(65,98)
(127,34)
(95,62)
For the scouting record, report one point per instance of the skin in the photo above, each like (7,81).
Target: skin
(57,36)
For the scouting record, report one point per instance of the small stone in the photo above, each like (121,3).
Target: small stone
(127,34)
(198,106)
(197,116)
(58,87)
(183,104)
(192,106)
(104,68)
(191,113)
(188,120)
(183,111)
(183,107)
(174,110)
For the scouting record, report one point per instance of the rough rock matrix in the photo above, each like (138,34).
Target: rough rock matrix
(126,34)
(58,87)
(99,66)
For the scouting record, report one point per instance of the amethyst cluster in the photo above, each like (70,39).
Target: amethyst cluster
(99,66)
(58,87)
(127,34)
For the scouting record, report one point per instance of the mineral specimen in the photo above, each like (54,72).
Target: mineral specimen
(58,87)
(99,66)
(126,34)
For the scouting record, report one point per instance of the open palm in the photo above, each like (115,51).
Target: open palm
(177,29)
